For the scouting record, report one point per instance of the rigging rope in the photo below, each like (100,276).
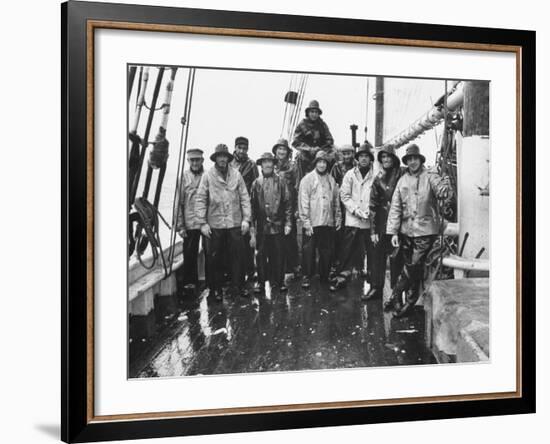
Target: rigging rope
(185,120)
(298,109)
(293,118)
(139,84)
(149,224)
(149,214)
(367,108)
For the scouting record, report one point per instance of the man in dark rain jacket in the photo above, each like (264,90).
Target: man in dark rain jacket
(339,170)
(249,171)
(287,170)
(271,220)
(381,195)
(310,136)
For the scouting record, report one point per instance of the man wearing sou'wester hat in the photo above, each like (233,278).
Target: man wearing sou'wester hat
(381,195)
(354,194)
(338,171)
(271,221)
(287,169)
(414,221)
(248,169)
(223,211)
(311,135)
(319,208)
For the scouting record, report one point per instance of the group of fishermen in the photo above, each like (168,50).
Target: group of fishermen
(248,218)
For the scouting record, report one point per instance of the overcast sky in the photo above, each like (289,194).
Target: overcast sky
(231,103)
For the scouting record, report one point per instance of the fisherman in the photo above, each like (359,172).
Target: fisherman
(223,211)
(319,209)
(188,225)
(271,220)
(287,169)
(249,171)
(310,136)
(355,194)
(414,222)
(345,163)
(381,194)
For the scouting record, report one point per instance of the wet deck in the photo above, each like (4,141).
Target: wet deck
(299,330)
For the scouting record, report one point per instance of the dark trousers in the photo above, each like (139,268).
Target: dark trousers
(190,256)
(381,251)
(321,242)
(248,256)
(290,249)
(270,258)
(355,243)
(337,240)
(232,239)
(414,251)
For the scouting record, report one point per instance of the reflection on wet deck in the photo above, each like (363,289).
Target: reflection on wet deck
(299,330)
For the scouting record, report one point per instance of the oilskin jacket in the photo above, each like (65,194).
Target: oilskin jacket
(222,203)
(318,201)
(355,195)
(271,206)
(383,187)
(187,217)
(339,170)
(311,134)
(289,172)
(248,170)
(414,211)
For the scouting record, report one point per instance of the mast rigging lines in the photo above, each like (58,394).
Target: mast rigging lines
(146,214)
(293,104)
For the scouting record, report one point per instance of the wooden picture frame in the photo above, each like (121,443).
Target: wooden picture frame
(79,22)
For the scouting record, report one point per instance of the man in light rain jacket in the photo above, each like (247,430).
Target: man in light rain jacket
(319,208)
(188,225)
(223,210)
(414,222)
(355,194)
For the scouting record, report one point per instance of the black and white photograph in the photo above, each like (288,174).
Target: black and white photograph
(304,221)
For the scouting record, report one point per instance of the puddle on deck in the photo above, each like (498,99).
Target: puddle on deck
(297,330)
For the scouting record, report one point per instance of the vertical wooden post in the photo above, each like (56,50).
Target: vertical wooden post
(476,109)
(379,115)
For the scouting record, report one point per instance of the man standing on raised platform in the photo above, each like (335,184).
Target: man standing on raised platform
(414,221)
(310,136)
(223,211)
